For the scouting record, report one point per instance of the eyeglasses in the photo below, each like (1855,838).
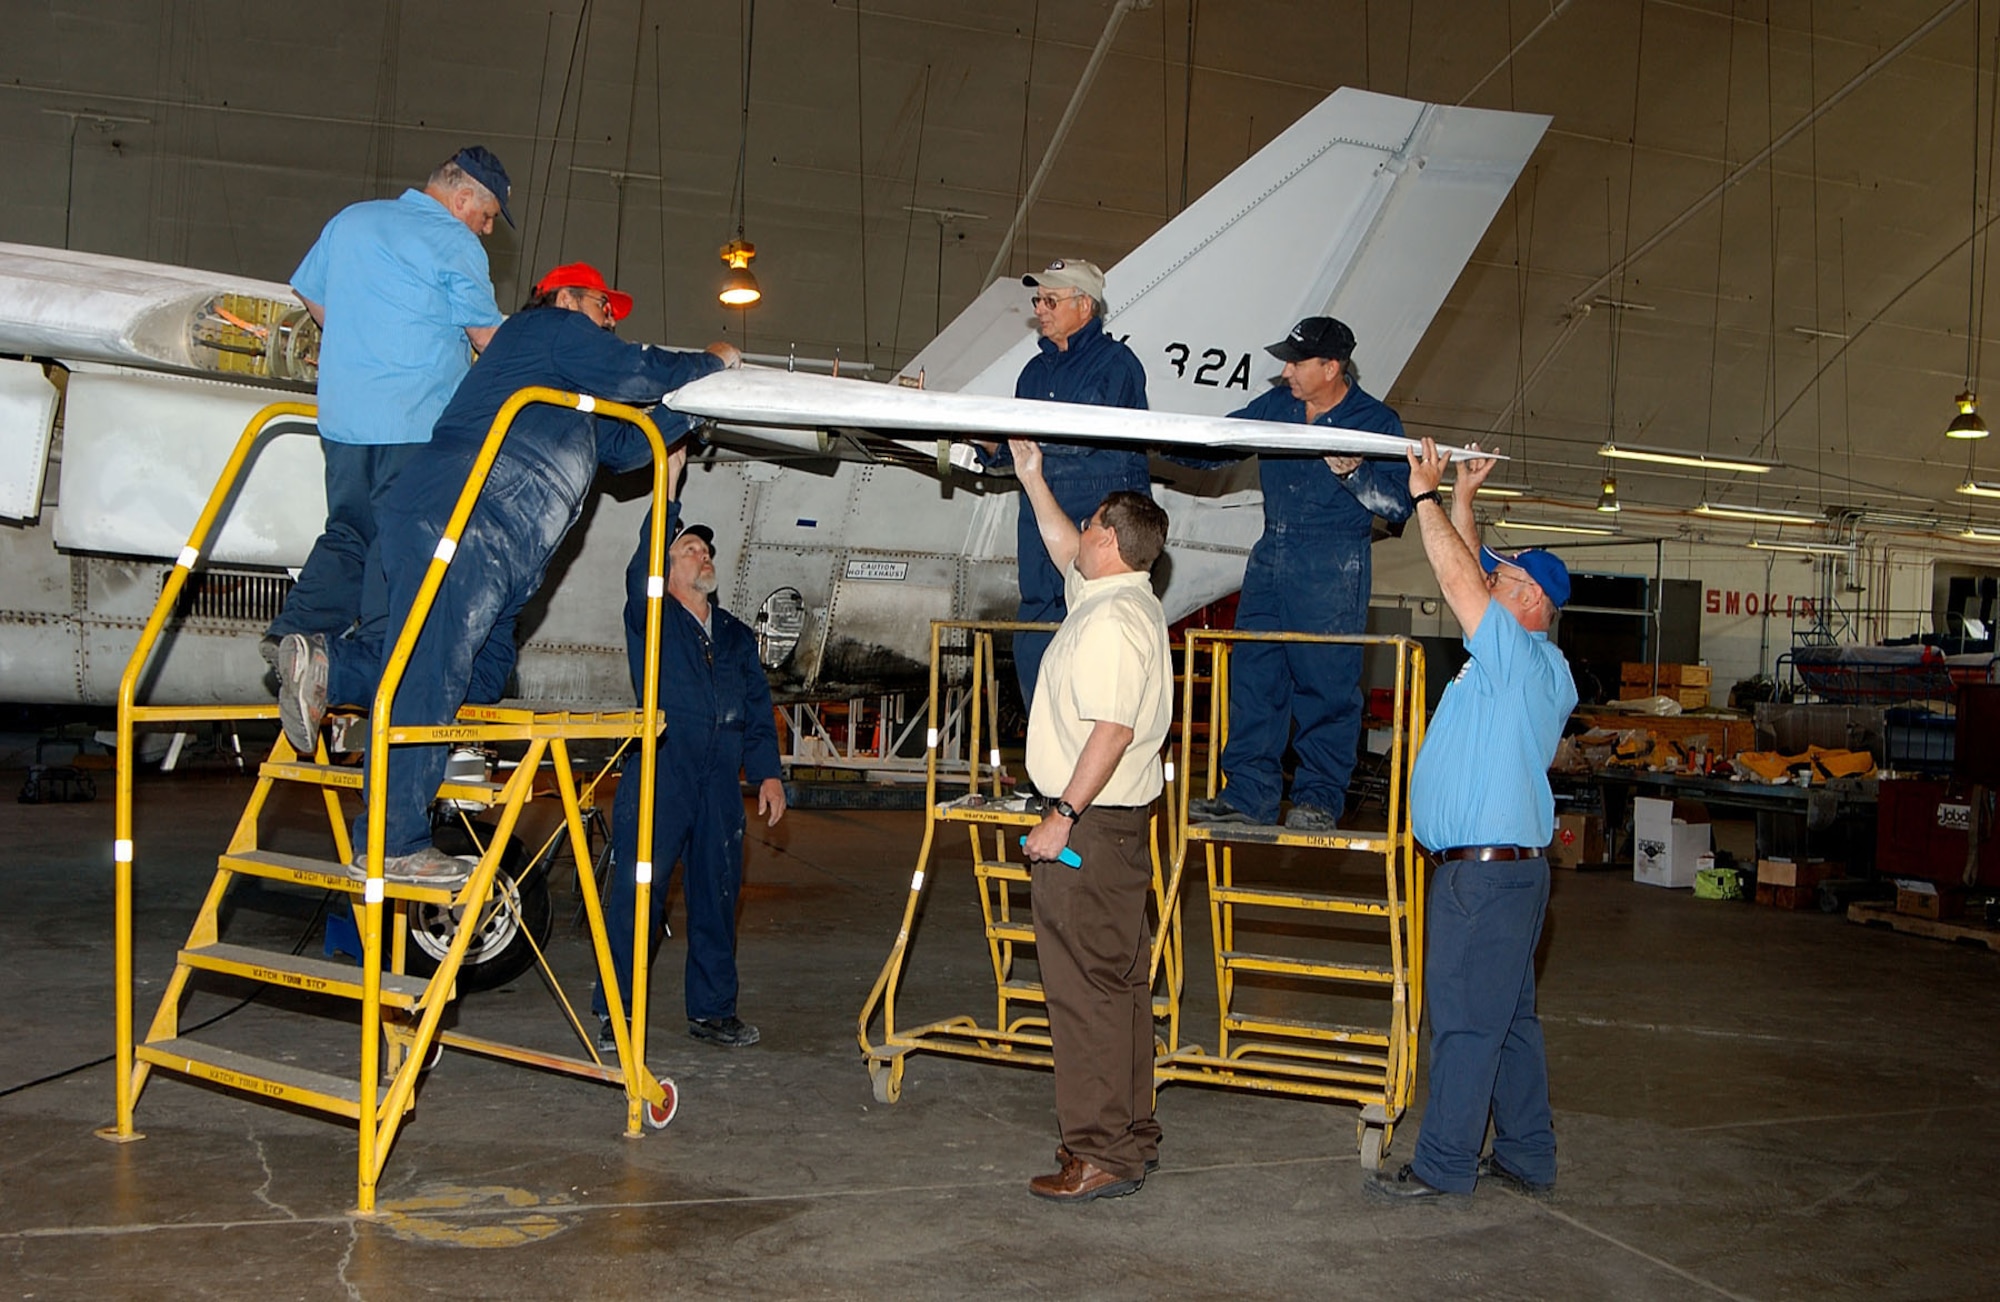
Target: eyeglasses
(1049,302)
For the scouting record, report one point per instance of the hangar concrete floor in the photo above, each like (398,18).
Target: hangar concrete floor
(1750,1104)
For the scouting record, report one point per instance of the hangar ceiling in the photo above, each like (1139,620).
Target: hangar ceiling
(1749,230)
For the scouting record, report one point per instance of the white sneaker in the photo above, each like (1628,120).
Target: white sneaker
(429,866)
(302,689)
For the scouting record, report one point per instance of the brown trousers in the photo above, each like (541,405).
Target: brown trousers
(1093,944)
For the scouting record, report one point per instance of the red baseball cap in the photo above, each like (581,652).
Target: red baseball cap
(581,275)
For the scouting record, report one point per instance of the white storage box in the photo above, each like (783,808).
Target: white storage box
(1667,838)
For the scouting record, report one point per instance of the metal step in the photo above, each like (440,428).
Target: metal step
(1318,901)
(1305,1029)
(998,871)
(1021,933)
(341,980)
(326,875)
(259,1076)
(1280,965)
(347,777)
(1273,834)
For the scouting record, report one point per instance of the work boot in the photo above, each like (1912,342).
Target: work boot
(731,1031)
(302,689)
(1215,809)
(1311,818)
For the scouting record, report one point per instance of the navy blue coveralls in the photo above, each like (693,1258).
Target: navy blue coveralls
(718,707)
(1309,573)
(1095,370)
(533,494)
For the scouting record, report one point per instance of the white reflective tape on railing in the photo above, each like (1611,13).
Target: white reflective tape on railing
(584,402)
(994,759)
(187,558)
(1169,767)
(446,549)
(121,851)
(642,872)
(930,739)
(656,586)
(371,892)
(917,881)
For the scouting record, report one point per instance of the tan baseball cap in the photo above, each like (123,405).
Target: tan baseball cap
(1069,273)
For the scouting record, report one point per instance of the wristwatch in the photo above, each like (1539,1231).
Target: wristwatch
(1066,809)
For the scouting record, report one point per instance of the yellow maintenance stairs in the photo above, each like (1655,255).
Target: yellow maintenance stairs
(400,1022)
(1301,933)
(994,822)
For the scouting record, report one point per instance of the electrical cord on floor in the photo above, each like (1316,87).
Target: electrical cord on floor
(298,948)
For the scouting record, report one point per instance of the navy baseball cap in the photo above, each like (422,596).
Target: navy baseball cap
(1548,572)
(478,162)
(1316,336)
(702,532)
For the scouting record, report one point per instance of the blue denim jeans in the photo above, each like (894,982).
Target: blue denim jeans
(328,595)
(1487,1058)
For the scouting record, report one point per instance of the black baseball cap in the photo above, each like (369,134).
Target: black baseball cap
(1316,336)
(702,532)
(479,163)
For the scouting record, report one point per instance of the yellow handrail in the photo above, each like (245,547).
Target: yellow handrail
(128,688)
(378,755)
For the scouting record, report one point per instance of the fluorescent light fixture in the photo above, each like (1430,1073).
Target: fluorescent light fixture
(1976,534)
(1756,514)
(1804,548)
(1550,526)
(1491,489)
(1662,457)
(1972,488)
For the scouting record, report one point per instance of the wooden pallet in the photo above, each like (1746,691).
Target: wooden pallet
(1884,915)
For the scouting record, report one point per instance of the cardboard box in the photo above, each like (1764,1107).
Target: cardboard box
(1808,873)
(1579,840)
(1671,676)
(1929,900)
(1667,838)
(1788,897)
(1689,698)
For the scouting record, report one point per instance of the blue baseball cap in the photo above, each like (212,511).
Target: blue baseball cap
(1548,572)
(479,163)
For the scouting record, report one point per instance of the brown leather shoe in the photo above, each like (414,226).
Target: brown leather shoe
(1080,1181)
(1063,1155)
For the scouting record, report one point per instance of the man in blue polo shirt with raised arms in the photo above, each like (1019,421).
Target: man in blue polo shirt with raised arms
(1480,805)
(401,289)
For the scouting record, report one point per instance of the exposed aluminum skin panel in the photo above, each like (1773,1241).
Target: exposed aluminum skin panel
(28,403)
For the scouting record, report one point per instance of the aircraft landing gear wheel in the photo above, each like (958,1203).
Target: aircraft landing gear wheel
(887,1079)
(658,1115)
(1371,1148)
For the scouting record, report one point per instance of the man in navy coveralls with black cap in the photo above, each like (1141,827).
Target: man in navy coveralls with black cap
(1480,804)
(1309,573)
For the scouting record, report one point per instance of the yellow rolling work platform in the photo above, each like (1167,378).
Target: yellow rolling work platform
(994,822)
(1318,937)
(400,1023)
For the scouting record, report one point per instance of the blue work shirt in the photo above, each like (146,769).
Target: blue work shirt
(712,687)
(1302,493)
(561,445)
(400,280)
(1096,371)
(1482,776)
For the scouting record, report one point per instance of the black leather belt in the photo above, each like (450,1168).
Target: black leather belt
(1488,853)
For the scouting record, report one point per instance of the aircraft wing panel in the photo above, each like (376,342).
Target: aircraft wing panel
(754,396)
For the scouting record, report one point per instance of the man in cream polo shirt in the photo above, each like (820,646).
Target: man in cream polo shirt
(1102,705)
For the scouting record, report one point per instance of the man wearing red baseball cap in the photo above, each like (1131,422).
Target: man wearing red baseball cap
(533,493)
